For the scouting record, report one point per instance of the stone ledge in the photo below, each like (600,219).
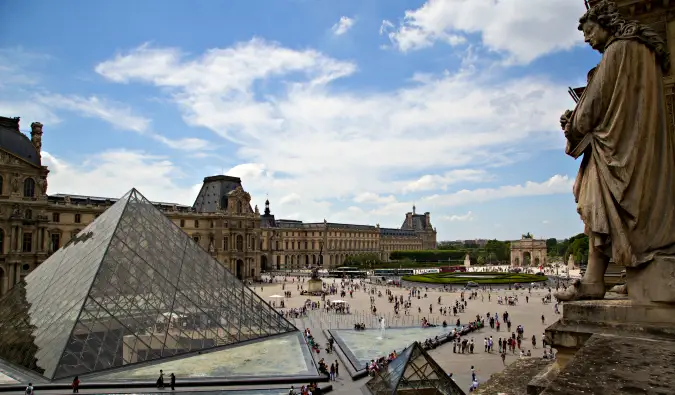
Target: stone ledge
(622,310)
(618,366)
(514,379)
(573,334)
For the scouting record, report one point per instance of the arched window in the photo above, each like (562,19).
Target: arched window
(28,187)
(240,243)
(240,207)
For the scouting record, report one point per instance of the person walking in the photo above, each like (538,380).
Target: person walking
(173,381)
(160,380)
(76,385)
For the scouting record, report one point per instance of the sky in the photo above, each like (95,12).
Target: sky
(350,111)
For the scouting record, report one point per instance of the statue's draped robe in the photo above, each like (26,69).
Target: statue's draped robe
(625,189)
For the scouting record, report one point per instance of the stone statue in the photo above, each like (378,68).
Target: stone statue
(43,185)
(36,135)
(625,189)
(15,182)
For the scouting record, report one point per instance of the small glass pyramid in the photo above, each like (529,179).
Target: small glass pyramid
(413,372)
(131,287)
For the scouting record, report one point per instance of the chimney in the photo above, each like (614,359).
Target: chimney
(427,219)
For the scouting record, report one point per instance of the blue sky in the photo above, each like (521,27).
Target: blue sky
(345,110)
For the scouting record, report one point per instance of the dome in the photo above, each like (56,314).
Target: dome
(12,140)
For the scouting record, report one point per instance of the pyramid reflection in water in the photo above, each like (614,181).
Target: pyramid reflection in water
(413,372)
(130,287)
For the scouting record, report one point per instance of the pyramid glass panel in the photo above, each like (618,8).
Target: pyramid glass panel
(132,287)
(37,315)
(413,371)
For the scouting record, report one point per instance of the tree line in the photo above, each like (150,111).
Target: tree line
(453,253)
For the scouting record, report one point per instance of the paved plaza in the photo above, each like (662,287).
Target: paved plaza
(524,313)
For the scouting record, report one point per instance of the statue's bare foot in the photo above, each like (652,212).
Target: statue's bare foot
(580,290)
(620,289)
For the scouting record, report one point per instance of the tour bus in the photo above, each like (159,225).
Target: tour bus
(427,270)
(346,271)
(393,272)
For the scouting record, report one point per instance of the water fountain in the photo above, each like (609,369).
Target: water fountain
(383,327)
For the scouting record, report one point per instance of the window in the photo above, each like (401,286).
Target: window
(286,245)
(226,243)
(2,241)
(313,245)
(28,187)
(196,223)
(240,207)
(1,184)
(56,217)
(27,242)
(212,224)
(25,267)
(28,214)
(240,243)
(182,223)
(56,242)
(78,218)
(196,239)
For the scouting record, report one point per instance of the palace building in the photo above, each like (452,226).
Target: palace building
(33,224)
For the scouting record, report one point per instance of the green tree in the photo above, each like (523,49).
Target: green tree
(481,260)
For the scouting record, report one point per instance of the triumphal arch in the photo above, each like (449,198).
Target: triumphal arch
(528,251)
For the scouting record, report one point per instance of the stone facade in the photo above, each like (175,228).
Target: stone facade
(528,252)
(34,224)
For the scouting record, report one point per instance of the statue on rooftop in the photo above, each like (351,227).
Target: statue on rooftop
(625,189)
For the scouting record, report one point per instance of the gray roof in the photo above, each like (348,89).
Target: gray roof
(214,193)
(83,199)
(291,223)
(396,232)
(419,222)
(12,140)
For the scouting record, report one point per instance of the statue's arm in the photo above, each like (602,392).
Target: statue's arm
(596,102)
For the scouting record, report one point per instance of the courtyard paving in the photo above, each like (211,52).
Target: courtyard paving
(529,314)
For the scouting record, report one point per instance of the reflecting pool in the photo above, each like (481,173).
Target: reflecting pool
(362,346)
(285,355)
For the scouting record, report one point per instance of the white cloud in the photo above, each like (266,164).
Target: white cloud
(116,114)
(523,29)
(385,26)
(291,198)
(459,218)
(554,185)
(545,222)
(433,182)
(113,173)
(343,26)
(373,198)
(326,144)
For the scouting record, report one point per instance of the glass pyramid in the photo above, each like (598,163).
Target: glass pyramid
(131,287)
(413,372)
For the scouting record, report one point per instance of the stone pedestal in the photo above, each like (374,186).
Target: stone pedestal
(315,285)
(593,338)
(653,283)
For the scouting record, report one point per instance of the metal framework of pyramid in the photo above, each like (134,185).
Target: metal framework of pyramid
(413,372)
(131,287)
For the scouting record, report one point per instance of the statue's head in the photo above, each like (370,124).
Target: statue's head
(600,23)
